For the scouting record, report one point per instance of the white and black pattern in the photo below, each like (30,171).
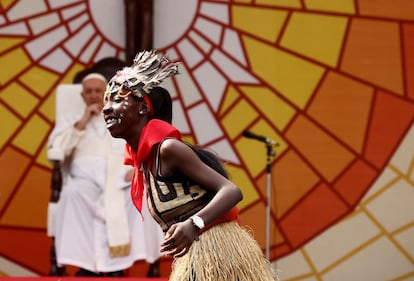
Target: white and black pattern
(172,202)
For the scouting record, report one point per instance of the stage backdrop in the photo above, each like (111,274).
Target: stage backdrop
(332,82)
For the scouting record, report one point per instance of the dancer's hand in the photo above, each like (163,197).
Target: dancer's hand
(178,239)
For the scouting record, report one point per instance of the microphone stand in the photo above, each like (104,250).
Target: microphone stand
(270,153)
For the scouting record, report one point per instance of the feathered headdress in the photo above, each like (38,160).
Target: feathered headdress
(148,71)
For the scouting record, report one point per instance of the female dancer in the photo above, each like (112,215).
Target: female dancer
(189,194)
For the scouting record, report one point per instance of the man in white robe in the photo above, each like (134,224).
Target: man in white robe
(95,225)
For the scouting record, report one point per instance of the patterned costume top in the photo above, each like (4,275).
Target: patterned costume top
(175,199)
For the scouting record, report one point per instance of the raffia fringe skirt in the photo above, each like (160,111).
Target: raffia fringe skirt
(225,252)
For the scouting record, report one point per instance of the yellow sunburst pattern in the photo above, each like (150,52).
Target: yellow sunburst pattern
(330,81)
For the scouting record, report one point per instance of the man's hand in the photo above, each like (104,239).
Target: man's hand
(128,175)
(90,111)
(93,109)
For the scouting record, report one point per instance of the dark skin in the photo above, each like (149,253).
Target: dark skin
(176,157)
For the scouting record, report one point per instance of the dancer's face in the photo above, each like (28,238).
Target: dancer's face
(122,113)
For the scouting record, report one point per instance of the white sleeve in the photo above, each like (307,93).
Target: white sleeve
(63,139)
(118,148)
(122,183)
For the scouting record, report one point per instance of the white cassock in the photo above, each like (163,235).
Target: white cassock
(95,210)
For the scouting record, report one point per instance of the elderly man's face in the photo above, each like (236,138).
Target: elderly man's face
(93,91)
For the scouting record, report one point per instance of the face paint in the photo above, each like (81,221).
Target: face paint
(119,113)
(149,70)
(128,87)
(118,89)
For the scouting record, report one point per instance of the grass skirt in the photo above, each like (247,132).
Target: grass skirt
(225,252)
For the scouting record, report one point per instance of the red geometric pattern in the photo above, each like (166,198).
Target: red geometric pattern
(341,111)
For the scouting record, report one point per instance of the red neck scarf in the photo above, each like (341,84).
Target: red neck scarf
(153,133)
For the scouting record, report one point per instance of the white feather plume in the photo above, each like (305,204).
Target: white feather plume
(148,71)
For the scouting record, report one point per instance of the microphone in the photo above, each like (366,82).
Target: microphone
(251,135)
